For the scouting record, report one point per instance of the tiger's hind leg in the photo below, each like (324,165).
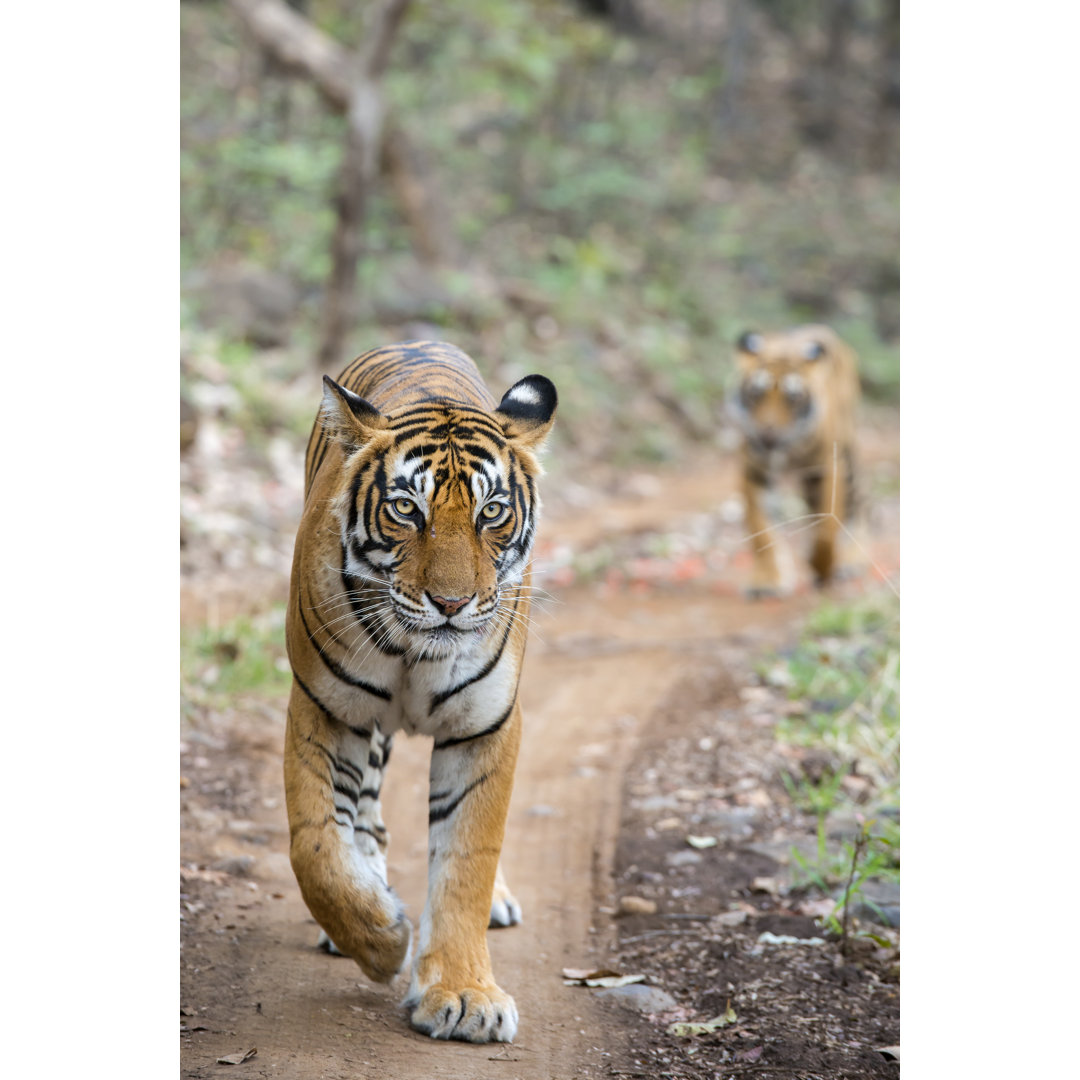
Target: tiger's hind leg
(333,776)
(829,491)
(505,910)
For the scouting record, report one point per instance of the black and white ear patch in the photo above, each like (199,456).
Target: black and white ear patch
(533,399)
(357,405)
(749,342)
(813,350)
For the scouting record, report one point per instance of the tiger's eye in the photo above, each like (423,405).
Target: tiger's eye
(492,511)
(404,507)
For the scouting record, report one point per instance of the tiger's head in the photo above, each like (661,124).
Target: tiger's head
(782,386)
(438,507)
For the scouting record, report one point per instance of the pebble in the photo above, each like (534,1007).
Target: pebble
(639,998)
(237,865)
(657,802)
(636,905)
(682,858)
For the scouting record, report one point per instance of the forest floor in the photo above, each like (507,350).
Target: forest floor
(647,720)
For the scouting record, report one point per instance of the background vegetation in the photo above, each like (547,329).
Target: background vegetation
(611,192)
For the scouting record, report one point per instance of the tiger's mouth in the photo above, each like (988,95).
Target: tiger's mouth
(446,634)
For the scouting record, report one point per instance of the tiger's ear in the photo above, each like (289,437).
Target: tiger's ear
(747,351)
(527,410)
(749,342)
(347,416)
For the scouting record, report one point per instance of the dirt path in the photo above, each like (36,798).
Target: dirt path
(250,976)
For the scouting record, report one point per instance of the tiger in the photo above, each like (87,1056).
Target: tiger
(795,407)
(408,611)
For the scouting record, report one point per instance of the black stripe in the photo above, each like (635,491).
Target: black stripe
(371,832)
(322,446)
(349,770)
(334,668)
(441,813)
(361,732)
(480,734)
(348,792)
(439,699)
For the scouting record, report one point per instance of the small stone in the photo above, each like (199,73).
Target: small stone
(639,998)
(730,918)
(682,858)
(237,866)
(636,905)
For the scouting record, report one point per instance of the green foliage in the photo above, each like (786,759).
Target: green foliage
(845,670)
(244,657)
(594,167)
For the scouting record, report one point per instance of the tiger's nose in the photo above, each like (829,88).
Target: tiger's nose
(449,607)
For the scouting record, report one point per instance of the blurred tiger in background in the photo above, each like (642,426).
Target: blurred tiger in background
(795,407)
(408,611)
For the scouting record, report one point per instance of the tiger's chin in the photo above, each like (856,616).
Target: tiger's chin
(443,642)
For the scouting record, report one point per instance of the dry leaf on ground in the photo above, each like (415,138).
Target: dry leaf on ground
(706,1028)
(702,841)
(237,1059)
(600,977)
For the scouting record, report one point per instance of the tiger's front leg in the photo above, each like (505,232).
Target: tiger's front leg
(333,777)
(453,994)
(765,579)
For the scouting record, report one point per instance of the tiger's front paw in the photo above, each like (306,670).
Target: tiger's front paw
(475,1014)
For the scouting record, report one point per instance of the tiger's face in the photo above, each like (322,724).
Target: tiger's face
(438,506)
(778,401)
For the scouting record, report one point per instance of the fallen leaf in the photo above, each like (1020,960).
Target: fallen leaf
(749,1055)
(767,937)
(237,1059)
(890,1053)
(707,1027)
(702,841)
(606,981)
(579,974)
(766,885)
(817,909)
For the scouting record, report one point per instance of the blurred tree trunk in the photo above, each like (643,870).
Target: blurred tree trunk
(351,84)
(841,19)
(729,119)
(889,84)
(364,130)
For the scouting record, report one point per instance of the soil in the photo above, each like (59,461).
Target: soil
(644,722)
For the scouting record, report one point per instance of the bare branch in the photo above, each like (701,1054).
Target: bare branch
(299,46)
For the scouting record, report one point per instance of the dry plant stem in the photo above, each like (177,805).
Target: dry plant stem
(857,850)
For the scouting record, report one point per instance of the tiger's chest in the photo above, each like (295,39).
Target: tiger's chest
(444,698)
